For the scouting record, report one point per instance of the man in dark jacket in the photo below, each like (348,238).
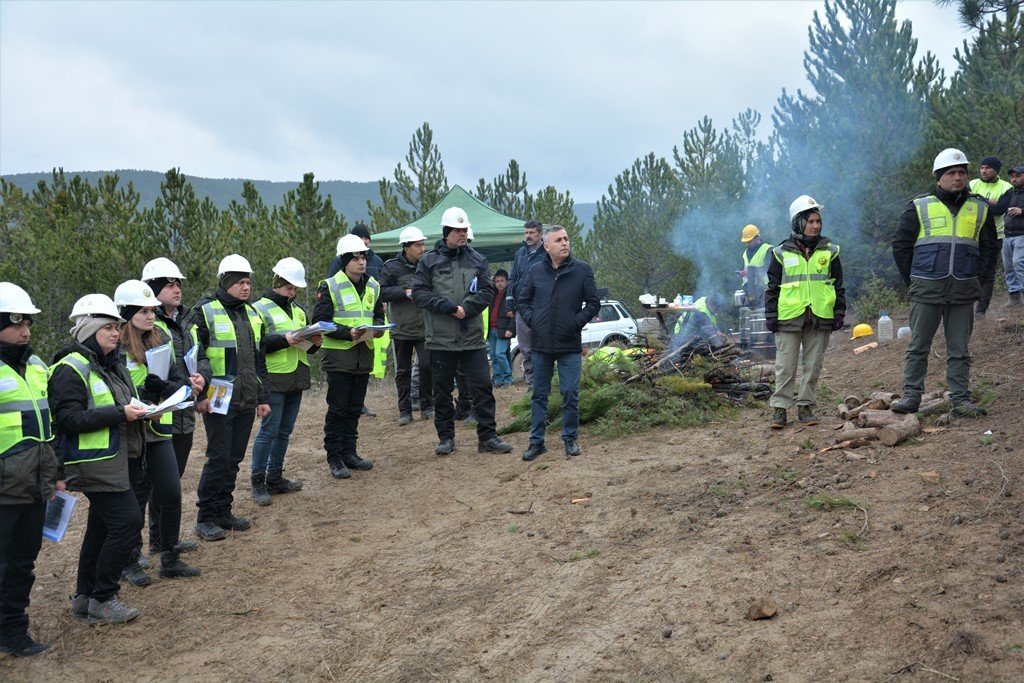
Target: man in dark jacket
(500,330)
(409,333)
(1011,206)
(374,263)
(452,285)
(559,297)
(233,334)
(943,242)
(528,255)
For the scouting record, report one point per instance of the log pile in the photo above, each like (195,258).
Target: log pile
(871,419)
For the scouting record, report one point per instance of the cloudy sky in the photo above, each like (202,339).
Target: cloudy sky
(574,90)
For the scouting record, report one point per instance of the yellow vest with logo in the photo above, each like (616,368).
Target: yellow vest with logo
(161,426)
(947,245)
(807,282)
(24,410)
(223,347)
(278,321)
(102,444)
(992,191)
(351,310)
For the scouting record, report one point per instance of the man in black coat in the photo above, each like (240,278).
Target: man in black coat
(558,298)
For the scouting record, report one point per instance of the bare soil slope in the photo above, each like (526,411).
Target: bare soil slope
(419,570)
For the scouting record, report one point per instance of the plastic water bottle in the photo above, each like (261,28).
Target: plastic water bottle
(678,303)
(884,327)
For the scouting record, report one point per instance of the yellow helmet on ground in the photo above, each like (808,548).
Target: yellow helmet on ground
(862,330)
(749,233)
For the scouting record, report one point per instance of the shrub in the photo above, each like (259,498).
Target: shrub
(874,297)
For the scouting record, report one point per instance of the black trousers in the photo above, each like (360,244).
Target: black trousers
(21,536)
(477,368)
(159,481)
(227,439)
(988,281)
(111,532)
(403,377)
(345,395)
(182,444)
(464,404)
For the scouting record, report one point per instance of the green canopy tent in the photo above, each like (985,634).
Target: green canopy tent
(495,235)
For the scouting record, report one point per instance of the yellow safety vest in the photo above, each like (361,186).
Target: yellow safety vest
(947,245)
(759,257)
(161,426)
(992,191)
(102,444)
(380,353)
(278,321)
(223,347)
(349,309)
(701,305)
(24,410)
(807,282)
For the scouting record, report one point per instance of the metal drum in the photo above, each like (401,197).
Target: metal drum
(762,342)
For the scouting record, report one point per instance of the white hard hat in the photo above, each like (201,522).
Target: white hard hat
(14,299)
(291,270)
(161,267)
(351,244)
(134,293)
(233,263)
(454,217)
(469,234)
(411,234)
(803,203)
(949,157)
(95,305)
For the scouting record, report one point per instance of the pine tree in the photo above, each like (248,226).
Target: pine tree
(389,214)
(173,219)
(974,13)
(509,191)
(551,207)
(422,183)
(250,219)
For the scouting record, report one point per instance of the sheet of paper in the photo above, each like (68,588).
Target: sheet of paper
(376,328)
(192,360)
(220,396)
(58,515)
(175,401)
(158,360)
(316,328)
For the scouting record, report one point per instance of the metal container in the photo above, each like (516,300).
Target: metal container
(737,297)
(762,342)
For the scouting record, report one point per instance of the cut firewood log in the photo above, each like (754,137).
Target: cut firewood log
(932,395)
(867,433)
(938,405)
(900,431)
(878,404)
(851,413)
(877,418)
(882,400)
(852,401)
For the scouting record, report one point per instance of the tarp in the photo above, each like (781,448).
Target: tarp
(495,235)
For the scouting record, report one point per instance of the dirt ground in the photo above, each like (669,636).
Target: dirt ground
(419,569)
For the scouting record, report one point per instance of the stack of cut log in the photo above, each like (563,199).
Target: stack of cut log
(871,419)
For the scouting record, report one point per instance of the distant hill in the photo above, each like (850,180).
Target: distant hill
(349,197)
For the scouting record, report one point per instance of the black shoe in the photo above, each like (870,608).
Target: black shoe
(232,523)
(365,412)
(22,646)
(404,419)
(494,445)
(276,483)
(355,462)
(446,447)
(907,405)
(427,414)
(260,494)
(534,451)
(968,409)
(135,575)
(185,546)
(572,448)
(171,567)
(143,560)
(208,531)
(806,416)
(338,469)
(779,418)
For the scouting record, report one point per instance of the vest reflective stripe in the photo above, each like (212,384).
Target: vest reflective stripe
(102,444)
(380,353)
(24,410)
(947,245)
(349,309)
(193,332)
(701,305)
(759,258)
(223,347)
(993,191)
(806,283)
(277,321)
(162,425)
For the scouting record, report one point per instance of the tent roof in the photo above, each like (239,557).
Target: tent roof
(495,235)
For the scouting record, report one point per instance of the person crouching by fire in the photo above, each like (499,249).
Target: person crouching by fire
(804,303)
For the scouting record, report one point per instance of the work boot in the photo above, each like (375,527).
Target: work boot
(260,494)
(185,546)
(446,447)
(968,409)
(22,646)
(338,469)
(427,414)
(365,412)
(355,462)
(906,405)
(779,418)
(232,523)
(208,531)
(143,560)
(534,451)
(806,416)
(171,566)
(572,448)
(404,419)
(80,607)
(1013,300)
(494,445)
(113,611)
(134,574)
(276,483)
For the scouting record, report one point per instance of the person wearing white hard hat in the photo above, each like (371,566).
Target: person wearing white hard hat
(944,241)
(166,281)
(373,262)
(452,285)
(287,375)
(91,400)
(409,333)
(232,333)
(804,303)
(351,300)
(29,467)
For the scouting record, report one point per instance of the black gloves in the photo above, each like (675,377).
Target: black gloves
(837,322)
(772,324)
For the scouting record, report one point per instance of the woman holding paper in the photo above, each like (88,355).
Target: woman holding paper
(90,396)
(157,470)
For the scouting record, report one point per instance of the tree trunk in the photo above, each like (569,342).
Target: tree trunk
(878,418)
(868,433)
(900,431)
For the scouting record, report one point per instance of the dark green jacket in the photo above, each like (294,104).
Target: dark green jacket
(395,278)
(446,279)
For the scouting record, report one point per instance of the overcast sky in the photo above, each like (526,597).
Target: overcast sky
(574,91)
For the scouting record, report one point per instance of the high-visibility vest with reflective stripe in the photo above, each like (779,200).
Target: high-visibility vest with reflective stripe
(24,410)
(947,245)
(162,326)
(992,191)
(102,444)
(380,352)
(759,257)
(701,305)
(349,309)
(807,282)
(278,321)
(223,347)
(161,426)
